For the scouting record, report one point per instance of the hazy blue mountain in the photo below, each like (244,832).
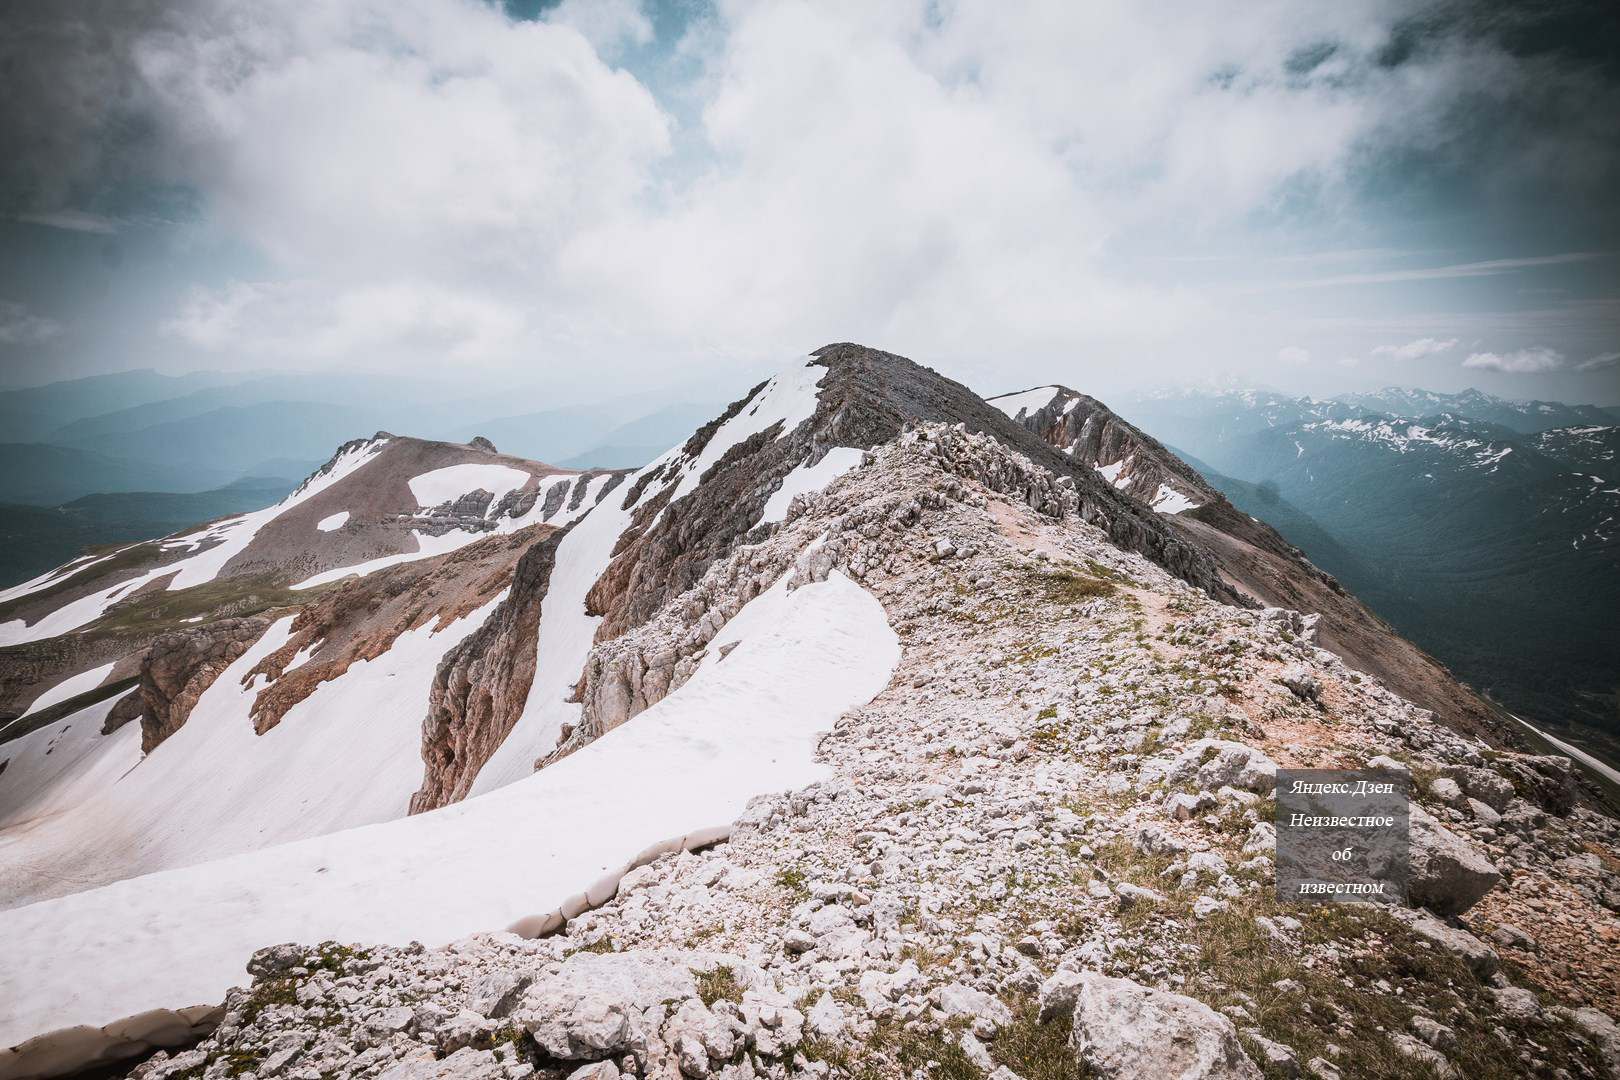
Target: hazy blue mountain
(35,538)
(641,440)
(221,444)
(49,475)
(29,414)
(610,434)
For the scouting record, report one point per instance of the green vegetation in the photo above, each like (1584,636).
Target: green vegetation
(1068,587)
(1383,976)
(791,879)
(1037,1051)
(718,985)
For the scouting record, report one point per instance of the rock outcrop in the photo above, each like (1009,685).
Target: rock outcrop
(182,664)
(1124,1030)
(481,685)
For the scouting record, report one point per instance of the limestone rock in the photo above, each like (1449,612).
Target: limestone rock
(1448,874)
(180,665)
(1125,1030)
(1480,957)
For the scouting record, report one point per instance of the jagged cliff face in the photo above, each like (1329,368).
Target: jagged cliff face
(1088,431)
(482,684)
(1251,556)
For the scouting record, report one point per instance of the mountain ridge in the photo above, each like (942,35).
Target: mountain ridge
(861,583)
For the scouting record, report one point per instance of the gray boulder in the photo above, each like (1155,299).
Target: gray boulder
(1482,784)
(1218,763)
(590,1008)
(1304,685)
(1480,957)
(1123,1029)
(1448,874)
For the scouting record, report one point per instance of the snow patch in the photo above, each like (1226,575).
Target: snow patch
(692,761)
(452,482)
(789,398)
(807,478)
(427,546)
(349,754)
(1167,500)
(333,523)
(70,687)
(1111,473)
(1028,401)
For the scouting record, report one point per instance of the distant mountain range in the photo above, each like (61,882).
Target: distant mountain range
(1486,530)
(239,442)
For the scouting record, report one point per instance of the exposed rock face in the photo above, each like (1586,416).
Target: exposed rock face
(1448,876)
(180,665)
(481,685)
(1124,1030)
(1480,957)
(361,619)
(1254,558)
(866,399)
(127,708)
(29,669)
(1546,779)
(1090,432)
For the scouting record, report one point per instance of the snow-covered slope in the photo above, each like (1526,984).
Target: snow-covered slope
(379,502)
(690,764)
(348,754)
(318,726)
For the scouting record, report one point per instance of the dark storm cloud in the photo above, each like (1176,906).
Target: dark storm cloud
(79,128)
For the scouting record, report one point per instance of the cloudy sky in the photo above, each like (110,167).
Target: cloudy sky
(605,194)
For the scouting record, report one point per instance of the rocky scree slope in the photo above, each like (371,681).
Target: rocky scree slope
(1494,536)
(1043,851)
(1250,553)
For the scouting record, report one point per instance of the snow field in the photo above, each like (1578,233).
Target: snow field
(740,728)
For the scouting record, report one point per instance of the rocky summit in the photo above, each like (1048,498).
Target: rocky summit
(875,731)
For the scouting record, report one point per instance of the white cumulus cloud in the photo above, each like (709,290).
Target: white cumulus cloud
(1293,355)
(1416,350)
(1523,362)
